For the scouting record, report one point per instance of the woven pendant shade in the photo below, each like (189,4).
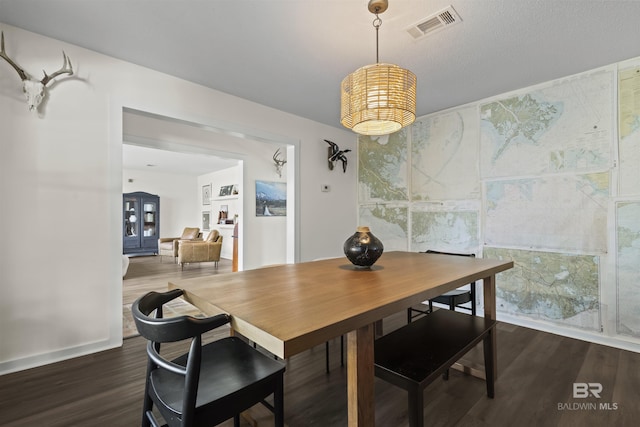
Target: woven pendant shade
(378,99)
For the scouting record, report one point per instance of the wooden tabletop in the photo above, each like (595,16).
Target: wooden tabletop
(290,308)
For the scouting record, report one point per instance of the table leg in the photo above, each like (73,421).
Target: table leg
(360,377)
(490,313)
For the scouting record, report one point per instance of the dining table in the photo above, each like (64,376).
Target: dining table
(290,308)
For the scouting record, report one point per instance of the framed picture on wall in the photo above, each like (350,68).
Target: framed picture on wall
(206,220)
(271,198)
(206,194)
(226,190)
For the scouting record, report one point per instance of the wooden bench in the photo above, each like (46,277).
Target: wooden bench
(416,354)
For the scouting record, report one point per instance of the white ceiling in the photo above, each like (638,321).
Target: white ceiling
(173,162)
(292,54)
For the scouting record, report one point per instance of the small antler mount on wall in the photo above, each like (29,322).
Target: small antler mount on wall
(335,154)
(34,90)
(279,163)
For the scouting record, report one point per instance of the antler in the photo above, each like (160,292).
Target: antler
(275,158)
(3,54)
(279,163)
(67,68)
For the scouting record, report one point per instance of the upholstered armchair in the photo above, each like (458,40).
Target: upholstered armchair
(169,245)
(200,251)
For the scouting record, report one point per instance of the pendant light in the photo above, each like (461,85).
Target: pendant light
(378,99)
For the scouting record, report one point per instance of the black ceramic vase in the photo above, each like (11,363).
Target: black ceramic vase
(363,248)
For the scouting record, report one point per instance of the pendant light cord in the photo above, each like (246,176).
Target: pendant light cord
(376,24)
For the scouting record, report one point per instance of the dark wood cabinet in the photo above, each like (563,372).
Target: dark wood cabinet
(140,222)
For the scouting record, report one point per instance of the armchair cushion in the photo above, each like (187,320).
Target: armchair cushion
(190,233)
(213,236)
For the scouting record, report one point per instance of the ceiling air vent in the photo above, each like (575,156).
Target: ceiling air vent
(436,22)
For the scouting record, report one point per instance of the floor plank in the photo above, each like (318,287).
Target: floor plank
(106,388)
(534,387)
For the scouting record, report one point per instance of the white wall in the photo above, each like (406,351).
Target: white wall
(61,183)
(178,197)
(233,203)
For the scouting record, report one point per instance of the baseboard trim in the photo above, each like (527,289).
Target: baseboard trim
(57,356)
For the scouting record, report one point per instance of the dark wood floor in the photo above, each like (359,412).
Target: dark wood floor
(537,371)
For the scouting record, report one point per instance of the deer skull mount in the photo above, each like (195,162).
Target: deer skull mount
(34,90)
(279,163)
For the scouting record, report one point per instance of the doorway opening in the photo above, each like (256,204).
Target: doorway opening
(251,150)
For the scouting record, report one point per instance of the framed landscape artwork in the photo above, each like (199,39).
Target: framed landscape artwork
(271,198)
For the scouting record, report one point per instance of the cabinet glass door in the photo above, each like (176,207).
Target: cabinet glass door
(150,217)
(131,220)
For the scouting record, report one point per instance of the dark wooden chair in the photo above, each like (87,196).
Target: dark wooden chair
(209,384)
(414,355)
(452,299)
(326,352)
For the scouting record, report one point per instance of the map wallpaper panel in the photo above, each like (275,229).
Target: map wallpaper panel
(540,176)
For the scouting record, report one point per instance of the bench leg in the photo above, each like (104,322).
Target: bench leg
(416,409)
(488,363)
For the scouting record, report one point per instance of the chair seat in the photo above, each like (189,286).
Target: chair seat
(414,355)
(459,296)
(231,372)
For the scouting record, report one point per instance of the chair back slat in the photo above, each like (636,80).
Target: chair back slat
(160,361)
(159,329)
